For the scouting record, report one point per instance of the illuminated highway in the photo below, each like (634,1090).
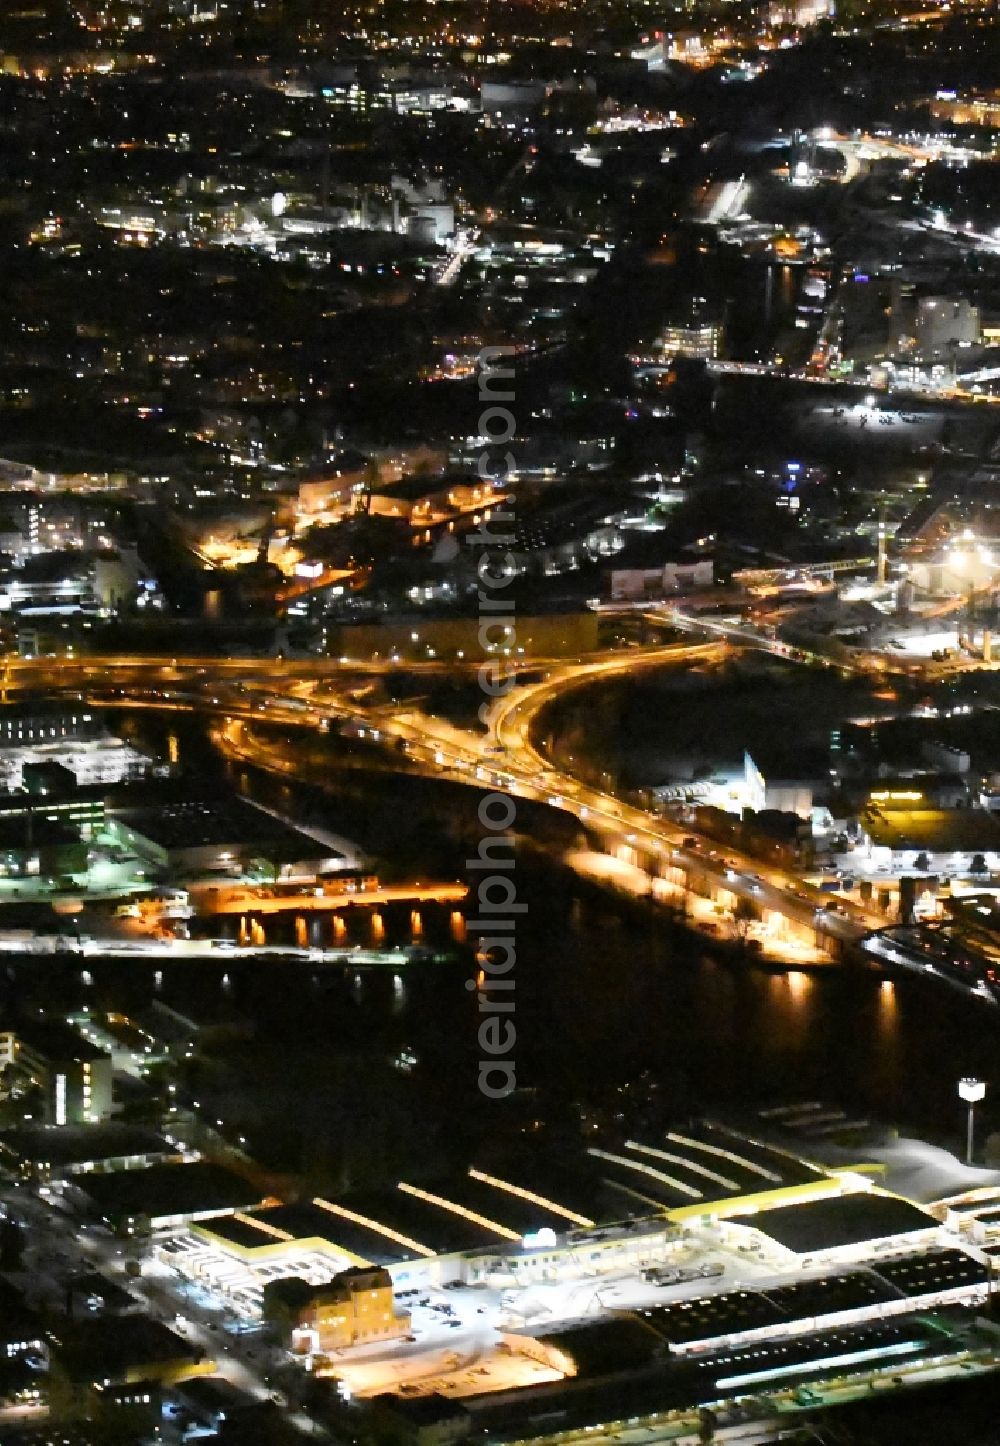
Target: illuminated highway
(316,693)
(506,759)
(765,886)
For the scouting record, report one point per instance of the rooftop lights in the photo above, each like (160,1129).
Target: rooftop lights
(375,1225)
(263,1226)
(531,1197)
(455,1209)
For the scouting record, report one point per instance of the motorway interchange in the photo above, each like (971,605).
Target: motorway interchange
(644,852)
(633,849)
(320,693)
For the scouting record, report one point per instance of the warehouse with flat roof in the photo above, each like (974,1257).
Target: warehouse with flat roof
(845,1227)
(55,1152)
(657,1394)
(624,1208)
(218,834)
(162,1196)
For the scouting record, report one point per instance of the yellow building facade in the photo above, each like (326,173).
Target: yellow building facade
(355,1308)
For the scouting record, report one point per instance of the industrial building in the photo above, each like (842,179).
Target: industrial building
(116,1350)
(651,1397)
(735,1320)
(75,740)
(944,323)
(651,567)
(940,841)
(818,1275)
(843,1227)
(33,847)
(57,1152)
(162,1196)
(184,835)
(614,1211)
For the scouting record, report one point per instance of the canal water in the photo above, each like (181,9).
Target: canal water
(619,1014)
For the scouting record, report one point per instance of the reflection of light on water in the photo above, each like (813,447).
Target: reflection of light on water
(86,977)
(227,983)
(799,985)
(457,926)
(887,1004)
(158,979)
(416,924)
(398,993)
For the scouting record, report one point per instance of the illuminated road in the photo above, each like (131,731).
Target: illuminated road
(957,390)
(465,246)
(314,693)
(745,636)
(507,759)
(891,948)
(765,886)
(237,898)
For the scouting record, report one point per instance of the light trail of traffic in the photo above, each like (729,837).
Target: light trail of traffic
(505,758)
(513,723)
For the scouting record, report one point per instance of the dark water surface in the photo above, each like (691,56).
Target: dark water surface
(606,989)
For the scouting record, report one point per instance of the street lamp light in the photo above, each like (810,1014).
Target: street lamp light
(973,1092)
